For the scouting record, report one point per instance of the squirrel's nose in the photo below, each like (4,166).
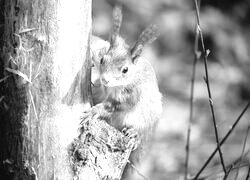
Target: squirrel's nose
(104,80)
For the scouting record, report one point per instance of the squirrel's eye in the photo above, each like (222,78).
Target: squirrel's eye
(101,61)
(125,70)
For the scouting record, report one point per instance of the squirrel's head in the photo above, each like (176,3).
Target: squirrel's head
(118,64)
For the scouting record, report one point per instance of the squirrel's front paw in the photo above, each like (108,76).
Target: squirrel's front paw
(132,134)
(89,114)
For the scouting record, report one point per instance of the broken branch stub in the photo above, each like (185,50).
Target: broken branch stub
(100,152)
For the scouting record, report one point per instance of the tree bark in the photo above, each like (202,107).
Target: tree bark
(100,151)
(44,49)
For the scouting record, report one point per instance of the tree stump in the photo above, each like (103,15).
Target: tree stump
(100,151)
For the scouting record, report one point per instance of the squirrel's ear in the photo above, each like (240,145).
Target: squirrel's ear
(96,56)
(147,36)
(117,21)
(102,52)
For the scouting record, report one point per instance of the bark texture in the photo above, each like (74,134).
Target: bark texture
(44,47)
(45,86)
(100,151)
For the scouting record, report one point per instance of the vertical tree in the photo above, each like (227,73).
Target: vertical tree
(43,50)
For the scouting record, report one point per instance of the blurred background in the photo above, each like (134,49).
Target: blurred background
(226,28)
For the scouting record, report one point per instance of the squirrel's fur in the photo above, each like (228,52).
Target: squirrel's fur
(127,92)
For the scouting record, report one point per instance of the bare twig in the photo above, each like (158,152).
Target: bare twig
(242,152)
(215,172)
(222,141)
(1,98)
(19,73)
(248,173)
(228,172)
(3,79)
(191,102)
(33,104)
(27,30)
(240,159)
(137,171)
(205,55)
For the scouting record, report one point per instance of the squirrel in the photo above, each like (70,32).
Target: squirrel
(128,97)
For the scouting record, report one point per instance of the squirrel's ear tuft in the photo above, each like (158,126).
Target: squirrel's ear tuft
(117,21)
(147,36)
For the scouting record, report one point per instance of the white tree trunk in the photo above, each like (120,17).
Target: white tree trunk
(44,57)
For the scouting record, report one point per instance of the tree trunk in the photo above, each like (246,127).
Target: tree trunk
(44,49)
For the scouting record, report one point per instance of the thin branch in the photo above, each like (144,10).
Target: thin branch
(1,98)
(3,79)
(228,172)
(205,55)
(222,141)
(239,160)
(19,73)
(215,172)
(33,104)
(137,171)
(27,30)
(191,102)
(248,173)
(242,152)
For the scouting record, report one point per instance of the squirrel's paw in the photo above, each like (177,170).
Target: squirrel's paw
(85,116)
(88,114)
(107,177)
(132,134)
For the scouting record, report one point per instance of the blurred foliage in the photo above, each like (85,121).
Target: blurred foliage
(226,27)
